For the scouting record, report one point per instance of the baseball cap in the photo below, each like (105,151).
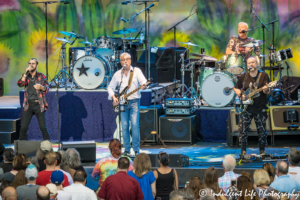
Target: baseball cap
(57,177)
(46,146)
(31,172)
(52,188)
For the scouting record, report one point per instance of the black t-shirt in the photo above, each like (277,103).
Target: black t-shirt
(7,167)
(32,95)
(261,99)
(42,165)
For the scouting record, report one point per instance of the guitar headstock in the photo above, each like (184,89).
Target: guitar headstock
(149,81)
(272,84)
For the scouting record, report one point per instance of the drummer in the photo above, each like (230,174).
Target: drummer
(235,43)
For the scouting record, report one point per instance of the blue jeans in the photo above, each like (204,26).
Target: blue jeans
(131,114)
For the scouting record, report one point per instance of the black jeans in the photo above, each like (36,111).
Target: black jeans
(260,122)
(34,108)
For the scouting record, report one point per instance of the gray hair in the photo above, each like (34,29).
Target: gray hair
(282,167)
(208,194)
(243,23)
(74,158)
(229,163)
(124,54)
(232,193)
(33,160)
(294,156)
(175,195)
(64,165)
(41,154)
(187,193)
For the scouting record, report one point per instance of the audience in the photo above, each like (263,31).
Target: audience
(284,183)
(109,165)
(294,161)
(45,147)
(53,191)
(211,181)
(196,185)
(270,170)
(143,175)
(44,176)
(208,194)
(4,184)
(187,193)
(243,173)
(176,195)
(74,161)
(33,160)
(57,178)
(64,161)
(262,181)
(19,163)
(121,186)
(232,193)
(166,177)
(20,179)
(28,191)
(229,163)
(8,157)
(9,193)
(248,192)
(78,190)
(57,167)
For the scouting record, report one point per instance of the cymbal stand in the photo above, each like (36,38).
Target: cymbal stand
(182,86)
(192,90)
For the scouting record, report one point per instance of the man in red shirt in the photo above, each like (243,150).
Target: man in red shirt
(121,186)
(44,176)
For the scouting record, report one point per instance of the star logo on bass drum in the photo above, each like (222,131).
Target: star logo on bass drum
(83,70)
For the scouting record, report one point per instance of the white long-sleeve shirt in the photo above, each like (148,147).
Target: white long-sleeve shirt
(137,80)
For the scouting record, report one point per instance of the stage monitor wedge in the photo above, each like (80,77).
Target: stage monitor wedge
(27,147)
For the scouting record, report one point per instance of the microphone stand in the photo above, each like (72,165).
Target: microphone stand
(120,134)
(46,14)
(175,42)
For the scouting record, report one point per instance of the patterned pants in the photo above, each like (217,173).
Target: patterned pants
(260,121)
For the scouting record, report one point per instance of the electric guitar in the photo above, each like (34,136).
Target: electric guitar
(249,94)
(123,96)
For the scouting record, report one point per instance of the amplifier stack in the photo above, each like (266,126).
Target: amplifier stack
(179,106)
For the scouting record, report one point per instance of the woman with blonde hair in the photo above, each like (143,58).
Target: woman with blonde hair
(144,176)
(269,168)
(262,181)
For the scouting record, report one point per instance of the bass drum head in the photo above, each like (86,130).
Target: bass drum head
(216,90)
(89,71)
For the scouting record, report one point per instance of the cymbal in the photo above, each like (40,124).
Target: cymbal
(131,38)
(189,43)
(204,56)
(271,68)
(255,43)
(86,43)
(71,34)
(125,31)
(193,60)
(63,40)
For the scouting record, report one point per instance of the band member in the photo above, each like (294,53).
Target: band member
(258,110)
(132,110)
(36,86)
(235,43)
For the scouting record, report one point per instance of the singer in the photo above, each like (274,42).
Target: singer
(235,43)
(259,109)
(132,110)
(36,86)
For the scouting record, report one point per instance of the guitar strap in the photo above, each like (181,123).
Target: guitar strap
(130,78)
(257,81)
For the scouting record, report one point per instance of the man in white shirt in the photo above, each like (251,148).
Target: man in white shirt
(132,110)
(78,189)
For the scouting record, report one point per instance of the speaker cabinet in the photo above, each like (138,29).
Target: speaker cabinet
(178,129)
(147,115)
(86,149)
(27,147)
(278,114)
(163,58)
(160,75)
(176,160)
(1,87)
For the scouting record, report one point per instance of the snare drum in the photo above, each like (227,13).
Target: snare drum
(217,89)
(235,63)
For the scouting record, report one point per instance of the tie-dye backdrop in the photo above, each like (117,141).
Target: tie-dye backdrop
(22,27)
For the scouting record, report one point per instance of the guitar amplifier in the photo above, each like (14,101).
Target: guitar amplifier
(179,103)
(180,111)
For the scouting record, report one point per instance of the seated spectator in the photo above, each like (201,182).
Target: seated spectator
(78,190)
(244,185)
(3,185)
(57,178)
(20,179)
(175,195)
(262,181)
(28,191)
(44,176)
(211,181)
(8,157)
(196,185)
(43,193)
(187,193)
(294,161)
(284,183)
(121,186)
(74,161)
(9,193)
(45,147)
(109,165)
(232,193)
(229,163)
(243,173)
(143,175)
(64,165)
(296,196)
(270,170)
(166,177)
(208,194)
(33,160)
(57,167)
(19,163)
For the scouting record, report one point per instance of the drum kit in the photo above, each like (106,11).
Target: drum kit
(92,66)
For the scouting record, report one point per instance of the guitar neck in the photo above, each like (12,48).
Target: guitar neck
(255,92)
(133,91)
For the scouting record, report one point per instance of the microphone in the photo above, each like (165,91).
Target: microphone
(28,71)
(243,31)
(150,6)
(126,2)
(250,67)
(124,20)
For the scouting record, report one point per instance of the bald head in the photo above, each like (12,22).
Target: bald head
(9,193)
(282,168)
(42,193)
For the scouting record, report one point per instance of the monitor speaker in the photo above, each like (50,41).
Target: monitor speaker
(27,147)
(86,149)
(176,160)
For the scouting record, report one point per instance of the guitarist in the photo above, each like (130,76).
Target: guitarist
(132,110)
(258,110)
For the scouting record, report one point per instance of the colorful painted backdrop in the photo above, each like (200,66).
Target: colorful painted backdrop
(22,27)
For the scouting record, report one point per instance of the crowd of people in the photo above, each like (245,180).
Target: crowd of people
(60,175)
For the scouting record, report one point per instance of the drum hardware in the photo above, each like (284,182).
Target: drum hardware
(205,57)
(105,46)
(63,40)
(189,44)
(72,34)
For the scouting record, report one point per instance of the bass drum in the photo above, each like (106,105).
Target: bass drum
(89,72)
(217,90)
